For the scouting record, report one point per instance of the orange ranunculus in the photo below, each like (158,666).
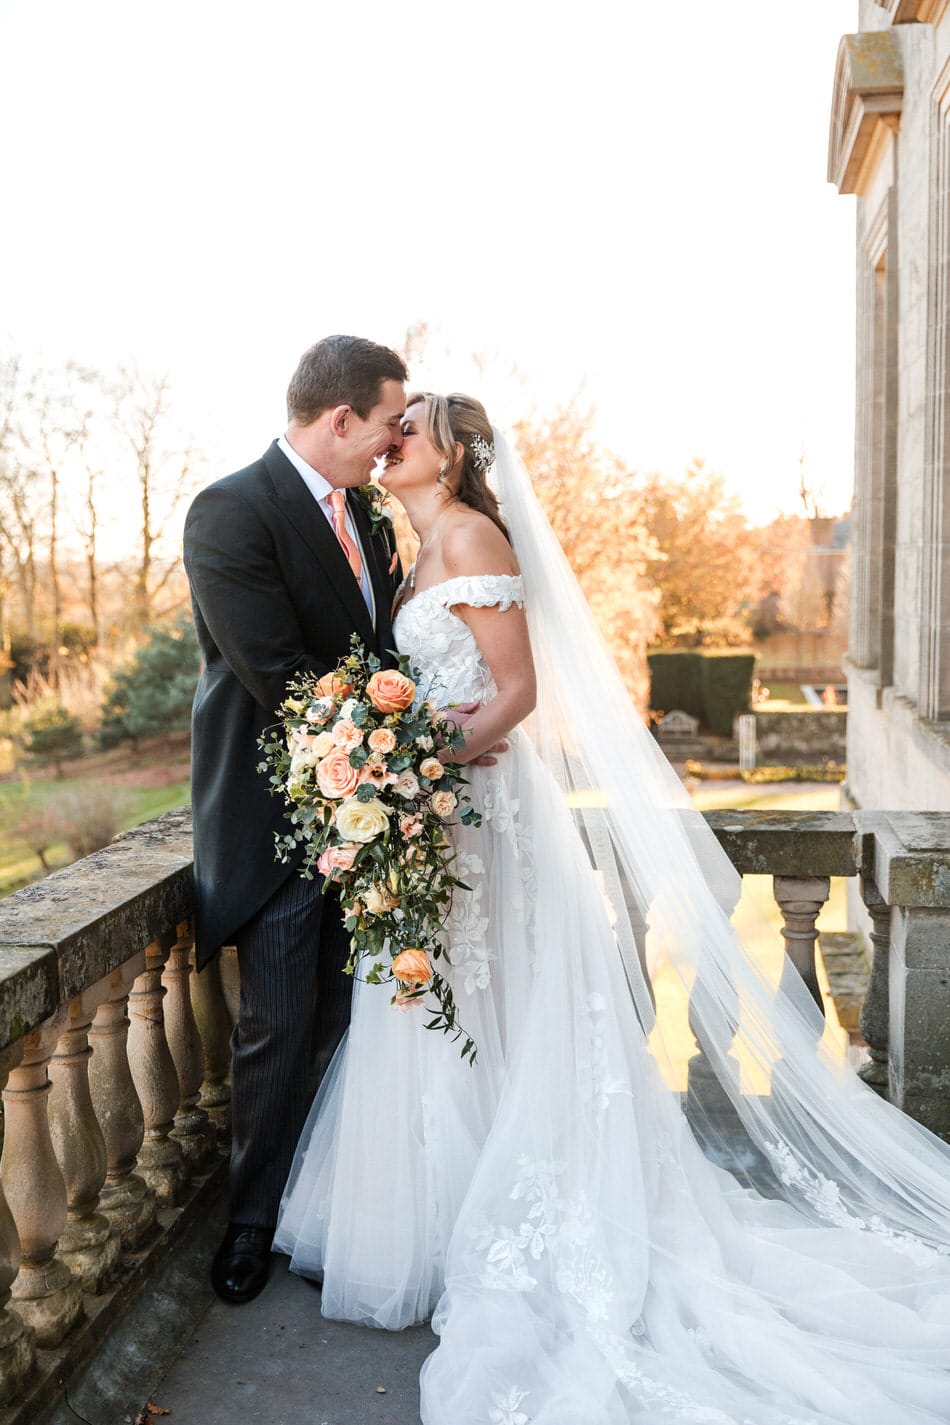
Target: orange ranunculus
(346,734)
(390,691)
(331,685)
(382,740)
(413,967)
(335,777)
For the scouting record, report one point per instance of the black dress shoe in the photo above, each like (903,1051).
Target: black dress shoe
(239,1270)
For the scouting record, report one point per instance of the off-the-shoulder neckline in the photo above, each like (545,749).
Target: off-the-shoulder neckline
(456,579)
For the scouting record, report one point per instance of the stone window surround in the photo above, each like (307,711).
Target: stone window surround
(934,687)
(872,629)
(909,12)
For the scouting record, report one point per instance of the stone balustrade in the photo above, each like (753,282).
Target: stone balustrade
(114,1054)
(115,1098)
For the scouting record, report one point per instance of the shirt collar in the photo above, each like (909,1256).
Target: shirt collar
(319,487)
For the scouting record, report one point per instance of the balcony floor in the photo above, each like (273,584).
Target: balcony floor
(274,1361)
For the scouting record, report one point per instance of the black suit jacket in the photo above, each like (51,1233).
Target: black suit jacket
(273,596)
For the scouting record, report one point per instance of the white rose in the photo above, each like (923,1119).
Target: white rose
(346,708)
(361,821)
(407,784)
(303,758)
(425,742)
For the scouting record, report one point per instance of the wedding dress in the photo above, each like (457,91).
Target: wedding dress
(586,1260)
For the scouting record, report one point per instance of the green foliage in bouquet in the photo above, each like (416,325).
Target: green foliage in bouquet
(358,757)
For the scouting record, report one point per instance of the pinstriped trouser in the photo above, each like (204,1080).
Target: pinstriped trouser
(295,1006)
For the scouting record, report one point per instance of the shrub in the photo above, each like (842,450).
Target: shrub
(726,688)
(710,685)
(152,695)
(52,734)
(676,681)
(88,817)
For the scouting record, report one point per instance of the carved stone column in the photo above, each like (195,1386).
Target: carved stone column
(89,1245)
(214,1026)
(193,1128)
(875,1011)
(800,902)
(17,1340)
(46,1294)
(125,1199)
(160,1161)
(230,974)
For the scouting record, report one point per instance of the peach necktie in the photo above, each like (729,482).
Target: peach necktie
(338,505)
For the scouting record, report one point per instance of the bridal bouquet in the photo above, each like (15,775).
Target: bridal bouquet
(354,754)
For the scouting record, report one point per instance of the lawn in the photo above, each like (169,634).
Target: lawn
(140,785)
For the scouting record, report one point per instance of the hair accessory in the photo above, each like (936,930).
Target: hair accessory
(483,453)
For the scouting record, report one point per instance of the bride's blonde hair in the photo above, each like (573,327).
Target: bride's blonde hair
(461,420)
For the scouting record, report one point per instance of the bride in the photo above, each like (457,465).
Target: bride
(562,1206)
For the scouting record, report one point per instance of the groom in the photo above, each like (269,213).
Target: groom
(284,568)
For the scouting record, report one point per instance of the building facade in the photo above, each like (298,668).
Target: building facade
(890,146)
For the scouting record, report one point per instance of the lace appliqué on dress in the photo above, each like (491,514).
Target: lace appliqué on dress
(465,927)
(824,1196)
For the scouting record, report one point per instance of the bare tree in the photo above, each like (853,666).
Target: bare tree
(19,492)
(59,411)
(164,467)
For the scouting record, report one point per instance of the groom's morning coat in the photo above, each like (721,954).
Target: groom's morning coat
(273,596)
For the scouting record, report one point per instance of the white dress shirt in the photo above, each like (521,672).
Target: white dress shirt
(321,490)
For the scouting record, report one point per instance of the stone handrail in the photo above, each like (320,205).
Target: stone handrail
(114,1056)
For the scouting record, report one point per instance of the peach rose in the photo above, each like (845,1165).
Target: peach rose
(346,734)
(382,740)
(331,685)
(431,768)
(336,858)
(335,777)
(444,803)
(413,967)
(390,691)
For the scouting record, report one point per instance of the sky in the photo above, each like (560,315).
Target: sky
(622,202)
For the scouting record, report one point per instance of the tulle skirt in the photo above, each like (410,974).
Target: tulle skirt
(583,1262)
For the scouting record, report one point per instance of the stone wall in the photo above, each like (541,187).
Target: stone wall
(812,735)
(899,660)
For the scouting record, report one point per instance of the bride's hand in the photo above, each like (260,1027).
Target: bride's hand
(459,714)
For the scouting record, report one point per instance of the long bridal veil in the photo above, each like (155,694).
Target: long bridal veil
(604,1269)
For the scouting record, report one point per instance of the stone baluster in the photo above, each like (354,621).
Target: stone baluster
(800,901)
(214,1025)
(89,1245)
(160,1161)
(126,1200)
(230,981)
(45,1293)
(17,1340)
(875,1012)
(193,1128)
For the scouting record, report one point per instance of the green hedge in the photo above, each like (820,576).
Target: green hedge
(727,688)
(676,681)
(709,685)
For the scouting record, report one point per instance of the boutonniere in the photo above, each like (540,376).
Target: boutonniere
(375,502)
